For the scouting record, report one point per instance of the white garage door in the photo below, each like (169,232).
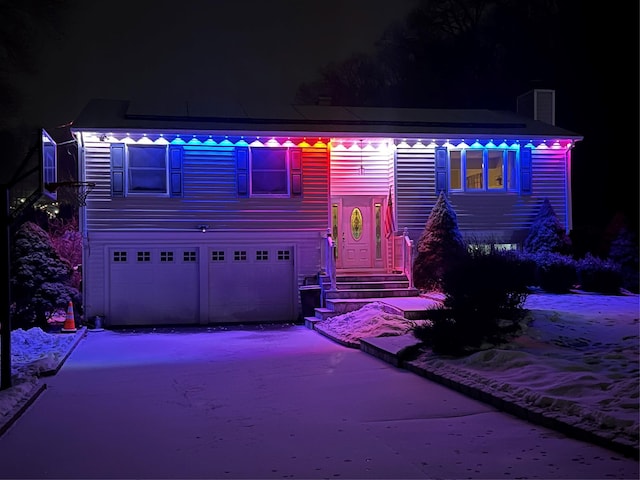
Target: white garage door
(251,284)
(154,286)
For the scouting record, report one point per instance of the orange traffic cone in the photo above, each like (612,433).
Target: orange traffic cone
(70,322)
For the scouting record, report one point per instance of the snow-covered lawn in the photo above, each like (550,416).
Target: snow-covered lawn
(578,359)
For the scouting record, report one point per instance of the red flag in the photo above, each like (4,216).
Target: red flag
(389,222)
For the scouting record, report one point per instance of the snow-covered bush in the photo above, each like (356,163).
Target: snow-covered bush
(547,235)
(40,282)
(555,273)
(439,247)
(598,275)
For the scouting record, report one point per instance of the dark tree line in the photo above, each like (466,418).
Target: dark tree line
(484,53)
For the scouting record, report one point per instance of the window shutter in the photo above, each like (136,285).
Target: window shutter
(441,170)
(117,169)
(176,154)
(525,171)
(295,156)
(242,170)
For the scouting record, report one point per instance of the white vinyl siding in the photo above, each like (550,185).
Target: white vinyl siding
(503,215)
(209,196)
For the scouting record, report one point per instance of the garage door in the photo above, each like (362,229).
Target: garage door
(154,286)
(251,284)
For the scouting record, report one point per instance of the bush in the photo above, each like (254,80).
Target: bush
(597,275)
(439,247)
(555,273)
(484,300)
(547,235)
(40,279)
(527,267)
(623,251)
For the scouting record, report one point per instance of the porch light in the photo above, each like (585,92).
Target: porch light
(203,228)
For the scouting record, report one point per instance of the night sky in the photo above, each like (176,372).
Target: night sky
(251,51)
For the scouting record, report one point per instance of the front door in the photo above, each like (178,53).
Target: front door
(357,219)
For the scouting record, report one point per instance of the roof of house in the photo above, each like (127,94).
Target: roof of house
(102,114)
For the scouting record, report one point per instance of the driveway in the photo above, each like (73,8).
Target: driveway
(271,402)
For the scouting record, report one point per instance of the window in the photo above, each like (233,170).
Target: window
(189,256)
(487,248)
(483,170)
(146,170)
(262,255)
(144,257)
(283,255)
(240,255)
(217,255)
(119,257)
(269,171)
(166,256)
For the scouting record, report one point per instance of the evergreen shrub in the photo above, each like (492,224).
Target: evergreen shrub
(623,251)
(555,273)
(439,247)
(484,302)
(40,282)
(598,275)
(547,235)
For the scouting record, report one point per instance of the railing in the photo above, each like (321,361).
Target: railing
(330,259)
(403,255)
(407,256)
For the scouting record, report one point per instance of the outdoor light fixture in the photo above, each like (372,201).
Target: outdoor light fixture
(203,228)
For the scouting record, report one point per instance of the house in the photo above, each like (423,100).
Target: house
(205,214)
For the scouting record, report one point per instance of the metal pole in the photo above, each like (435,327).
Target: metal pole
(5,293)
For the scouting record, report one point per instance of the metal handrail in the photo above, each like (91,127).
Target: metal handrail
(407,256)
(330,260)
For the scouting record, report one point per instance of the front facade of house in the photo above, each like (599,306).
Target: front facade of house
(204,219)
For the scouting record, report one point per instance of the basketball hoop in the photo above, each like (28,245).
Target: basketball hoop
(77,191)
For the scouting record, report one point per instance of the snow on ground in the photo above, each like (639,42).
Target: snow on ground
(33,352)
(373,320)
(578,359)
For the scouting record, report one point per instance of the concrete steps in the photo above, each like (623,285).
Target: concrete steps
(354,291)
(376,285)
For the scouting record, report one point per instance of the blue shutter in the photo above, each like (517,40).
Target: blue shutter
(242,170)
(176,153)
(295,157)
(117,169)
(525,171)
(441,170)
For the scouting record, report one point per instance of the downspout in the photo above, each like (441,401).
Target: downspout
(82,216)
(568,194)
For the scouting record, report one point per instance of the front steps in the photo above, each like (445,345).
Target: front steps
(354,291)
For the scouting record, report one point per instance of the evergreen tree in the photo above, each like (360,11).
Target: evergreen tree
(439,247)
(40,278)
(623,251)
(547,235)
